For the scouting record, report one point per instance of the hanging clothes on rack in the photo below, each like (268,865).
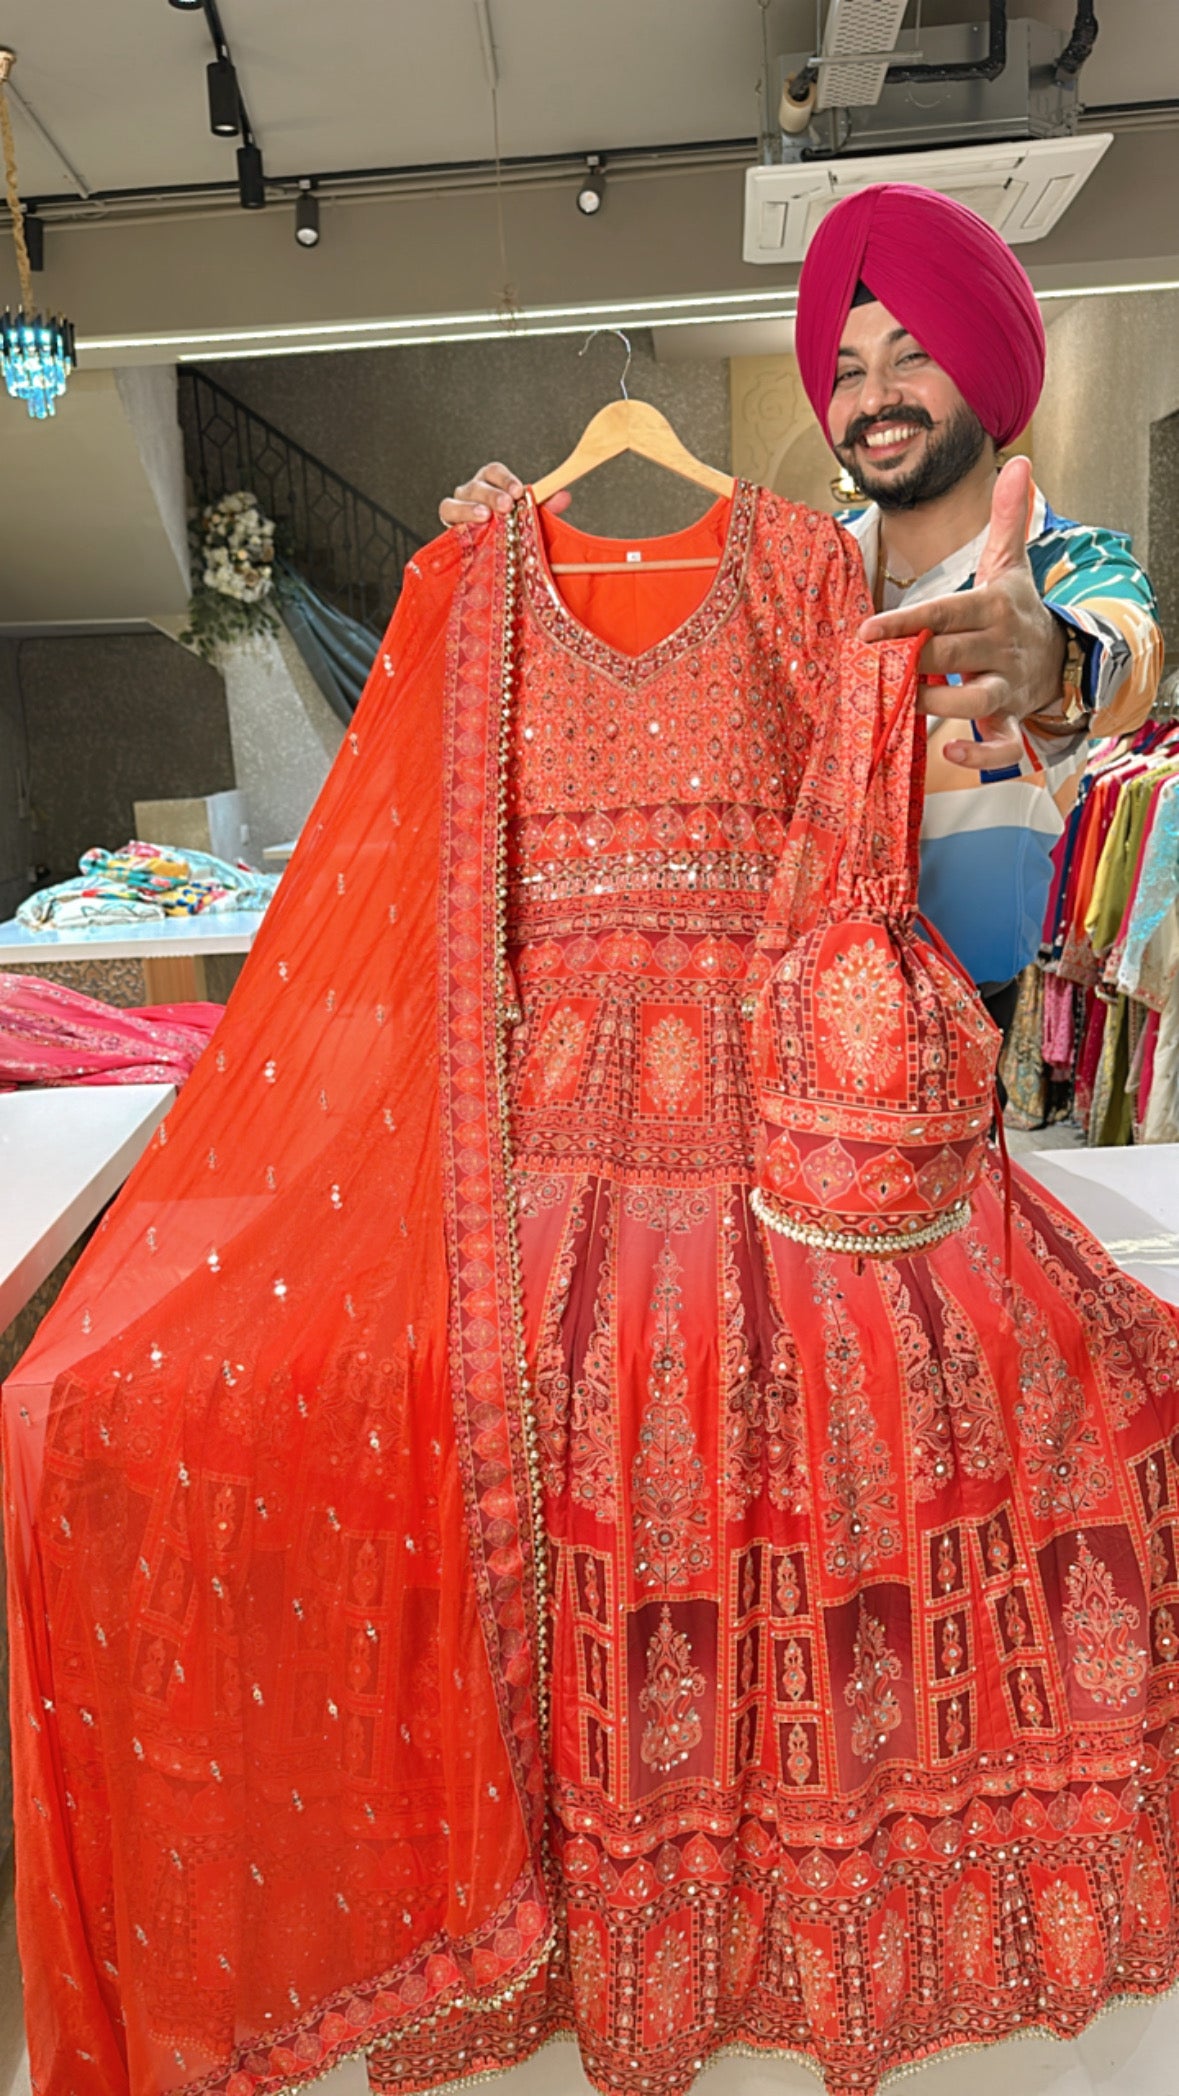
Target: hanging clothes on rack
(1149,965)
(1110,952)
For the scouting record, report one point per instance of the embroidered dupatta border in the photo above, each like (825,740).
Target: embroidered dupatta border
(489,1378)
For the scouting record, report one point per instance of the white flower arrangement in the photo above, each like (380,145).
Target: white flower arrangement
(238,544)
(233,556)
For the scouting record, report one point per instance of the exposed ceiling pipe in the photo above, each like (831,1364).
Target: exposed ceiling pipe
(1079,45)
(988,68)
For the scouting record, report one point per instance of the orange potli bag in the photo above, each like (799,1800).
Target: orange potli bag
(873,1056)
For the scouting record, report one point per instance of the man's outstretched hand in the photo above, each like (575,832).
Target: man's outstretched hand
(997,636)
(494,488)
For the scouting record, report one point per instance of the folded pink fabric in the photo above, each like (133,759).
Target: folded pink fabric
(53,1036)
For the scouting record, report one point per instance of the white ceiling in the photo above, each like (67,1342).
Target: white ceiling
(376,83)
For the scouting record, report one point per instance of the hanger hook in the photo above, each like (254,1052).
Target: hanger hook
(625,341)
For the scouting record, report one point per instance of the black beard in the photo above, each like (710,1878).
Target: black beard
(954,447)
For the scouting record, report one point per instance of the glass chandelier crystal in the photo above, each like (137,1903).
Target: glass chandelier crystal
(36,353)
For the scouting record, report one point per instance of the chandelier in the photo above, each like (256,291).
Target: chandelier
(37,354)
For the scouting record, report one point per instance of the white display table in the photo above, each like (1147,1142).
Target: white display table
(1129,1199)
(63,1154)
(172,950)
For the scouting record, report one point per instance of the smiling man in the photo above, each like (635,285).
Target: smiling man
(921,348)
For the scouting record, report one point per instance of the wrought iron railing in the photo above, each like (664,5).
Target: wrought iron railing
(353,552)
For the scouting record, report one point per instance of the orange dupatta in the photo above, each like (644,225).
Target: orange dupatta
(269,1509)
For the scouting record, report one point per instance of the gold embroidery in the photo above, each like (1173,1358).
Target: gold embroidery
(673,1725)
(739,1950)
(588,1971)
(967,1937)
(1071,1930)
(670,1514)
(817,1978)
(1099,1621)
(875,1709)
(672,1063)
(559,1049)
(669,1986)
(859,998)
(888,1966)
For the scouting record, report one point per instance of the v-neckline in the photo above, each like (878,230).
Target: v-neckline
(715,606)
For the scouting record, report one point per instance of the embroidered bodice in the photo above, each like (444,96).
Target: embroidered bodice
(649,804)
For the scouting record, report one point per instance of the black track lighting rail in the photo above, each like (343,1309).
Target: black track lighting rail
(439,176)
(671,158)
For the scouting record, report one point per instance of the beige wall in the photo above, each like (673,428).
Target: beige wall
(92,515)
(1113,374)
(776,440)
(1113,369)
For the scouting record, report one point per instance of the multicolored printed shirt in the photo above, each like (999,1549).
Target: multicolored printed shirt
(987,838)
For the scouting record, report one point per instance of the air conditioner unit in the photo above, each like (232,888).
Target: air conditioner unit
(1020,187)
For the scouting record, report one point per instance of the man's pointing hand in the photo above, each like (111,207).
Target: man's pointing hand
(996,636)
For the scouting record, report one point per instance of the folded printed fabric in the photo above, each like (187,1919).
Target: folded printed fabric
(50,1035)
(144,883)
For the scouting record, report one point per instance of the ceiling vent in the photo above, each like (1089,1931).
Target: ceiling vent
(857,38)
(1020,188)
(981,112)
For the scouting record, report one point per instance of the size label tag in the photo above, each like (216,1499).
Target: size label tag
(633,556)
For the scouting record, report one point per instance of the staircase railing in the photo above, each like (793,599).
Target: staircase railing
(353,552)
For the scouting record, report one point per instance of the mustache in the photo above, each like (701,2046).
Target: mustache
(918,418)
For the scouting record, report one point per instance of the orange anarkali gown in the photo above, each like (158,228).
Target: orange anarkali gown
(470,1580)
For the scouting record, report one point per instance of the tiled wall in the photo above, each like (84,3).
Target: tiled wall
(1113,376)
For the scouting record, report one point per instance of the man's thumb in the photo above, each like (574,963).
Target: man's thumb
(1006,542)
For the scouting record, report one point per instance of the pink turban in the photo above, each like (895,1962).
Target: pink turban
(947,276)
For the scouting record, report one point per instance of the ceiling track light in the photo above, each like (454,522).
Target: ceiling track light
(591,192)
(251,177)
(307,214)
(225,102)
(228,115)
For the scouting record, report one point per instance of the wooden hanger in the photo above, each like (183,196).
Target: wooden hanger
(629,425)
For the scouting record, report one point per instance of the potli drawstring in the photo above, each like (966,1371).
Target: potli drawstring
(883,738)
(948,955)
(1008,1201)
(936,940)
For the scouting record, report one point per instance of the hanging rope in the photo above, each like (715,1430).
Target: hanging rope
(509,303)
(15,206)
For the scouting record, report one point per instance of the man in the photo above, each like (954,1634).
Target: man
(921,348)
